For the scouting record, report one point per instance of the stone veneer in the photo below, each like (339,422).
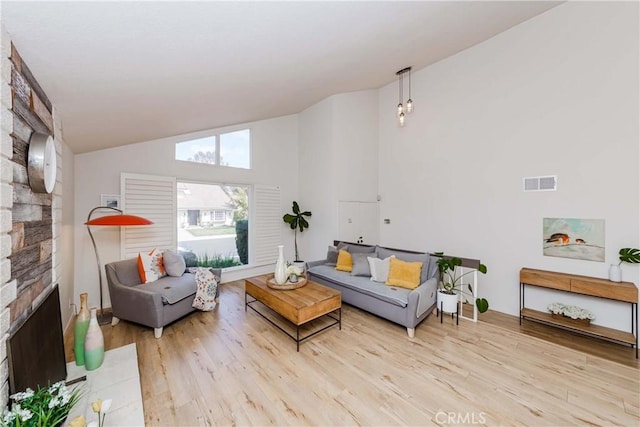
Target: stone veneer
(30,224)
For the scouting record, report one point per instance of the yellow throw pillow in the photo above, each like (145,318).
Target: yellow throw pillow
(345,261)
(404,274)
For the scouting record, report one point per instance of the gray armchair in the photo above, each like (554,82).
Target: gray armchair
(153,304)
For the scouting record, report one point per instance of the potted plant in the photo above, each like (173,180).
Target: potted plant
(630,255)
(297,221)
(451,284)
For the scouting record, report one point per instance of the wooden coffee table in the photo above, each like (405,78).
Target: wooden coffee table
(298,306)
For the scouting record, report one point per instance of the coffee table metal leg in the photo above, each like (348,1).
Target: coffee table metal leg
(298,338)
(340,318)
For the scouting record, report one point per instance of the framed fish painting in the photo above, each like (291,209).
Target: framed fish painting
(573,238)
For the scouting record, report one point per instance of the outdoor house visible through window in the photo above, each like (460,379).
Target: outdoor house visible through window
(213,223)
(232,149)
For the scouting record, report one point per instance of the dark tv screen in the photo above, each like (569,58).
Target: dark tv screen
(36,349)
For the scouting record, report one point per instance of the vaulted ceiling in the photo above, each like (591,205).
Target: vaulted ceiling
(125,72)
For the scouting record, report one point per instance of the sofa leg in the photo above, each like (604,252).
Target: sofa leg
(411,332)
(114,321)
(157,332)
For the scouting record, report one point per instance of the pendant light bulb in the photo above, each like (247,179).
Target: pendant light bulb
(401,119)
(409,106)
(400,109)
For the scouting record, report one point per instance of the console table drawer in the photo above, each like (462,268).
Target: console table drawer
(545,279)
(605,289)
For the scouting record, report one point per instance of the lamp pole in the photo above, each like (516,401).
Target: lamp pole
(102,319)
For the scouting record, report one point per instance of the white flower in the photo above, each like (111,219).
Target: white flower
(54,402)
(23,414)
(106,405)
(17,397)
(292,269)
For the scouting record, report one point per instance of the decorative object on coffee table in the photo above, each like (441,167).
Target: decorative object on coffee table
(113,221)
(280,274)
(93,344)
(287,285)
(80,330)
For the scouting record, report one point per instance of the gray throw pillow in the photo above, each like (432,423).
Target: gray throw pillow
(408,257)
(361,249)
(174,263)
(361,265)
(332,256)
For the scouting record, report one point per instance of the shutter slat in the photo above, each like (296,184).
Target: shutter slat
(267,218)
(152,197)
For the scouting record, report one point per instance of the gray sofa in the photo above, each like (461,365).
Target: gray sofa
(403,306)
(154,304)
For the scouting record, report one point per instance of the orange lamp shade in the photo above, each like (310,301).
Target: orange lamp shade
(119,220)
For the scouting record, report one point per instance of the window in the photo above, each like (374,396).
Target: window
(232,149)
(213,223)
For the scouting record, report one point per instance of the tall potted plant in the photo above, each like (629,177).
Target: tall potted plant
(297,222)
(451,284)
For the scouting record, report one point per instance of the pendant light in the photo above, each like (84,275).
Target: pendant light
(409,106)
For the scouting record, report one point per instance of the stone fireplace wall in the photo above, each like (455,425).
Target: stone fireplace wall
(27,228)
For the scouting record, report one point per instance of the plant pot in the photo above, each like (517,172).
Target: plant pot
(448,303)
(300,264)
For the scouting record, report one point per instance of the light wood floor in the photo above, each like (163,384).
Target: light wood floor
(229,367)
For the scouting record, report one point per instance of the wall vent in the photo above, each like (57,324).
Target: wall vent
(540,183)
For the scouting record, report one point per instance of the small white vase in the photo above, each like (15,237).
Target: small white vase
(615,273)
(280,274)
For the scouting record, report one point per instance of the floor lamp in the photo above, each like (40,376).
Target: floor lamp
(119,220)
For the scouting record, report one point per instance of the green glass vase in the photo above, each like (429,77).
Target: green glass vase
(80,330)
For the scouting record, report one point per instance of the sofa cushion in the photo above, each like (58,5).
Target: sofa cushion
(360,265)
(345,261)
(172,289)
(174,263)
(150,266)
(408,257)
(332,256)
(360,249)
(379,268)
(392,295)
(404,274)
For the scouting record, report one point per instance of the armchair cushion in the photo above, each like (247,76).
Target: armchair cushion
(172,289)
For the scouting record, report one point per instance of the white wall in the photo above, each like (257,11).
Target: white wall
(557,94)
(274,160)
(338,161)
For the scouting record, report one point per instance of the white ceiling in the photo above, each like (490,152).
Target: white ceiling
(125,72)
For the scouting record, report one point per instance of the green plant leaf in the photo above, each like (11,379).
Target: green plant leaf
(630,255)
(306,213)
(470,288)
(289,219)
(482,269)
(296,208)
(303,223)
(482,304)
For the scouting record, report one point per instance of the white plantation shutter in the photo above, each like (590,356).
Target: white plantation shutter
(267,224)
(152,197)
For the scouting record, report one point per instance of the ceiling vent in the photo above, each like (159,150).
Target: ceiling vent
(540,183)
